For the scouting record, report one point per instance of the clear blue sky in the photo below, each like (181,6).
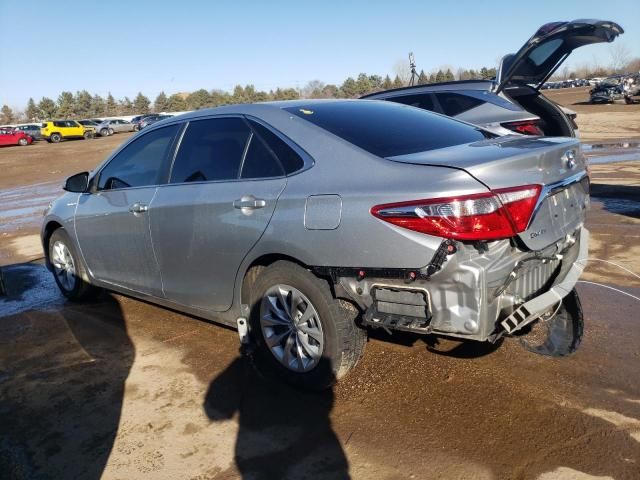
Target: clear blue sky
(177,46)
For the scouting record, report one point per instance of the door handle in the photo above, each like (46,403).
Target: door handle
(138,208)
(249,202)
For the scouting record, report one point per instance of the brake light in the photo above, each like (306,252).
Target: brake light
(525,127)
(486,216)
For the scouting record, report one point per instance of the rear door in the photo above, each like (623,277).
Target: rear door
(74,129)
(223,189)
(545,51)
(112,223)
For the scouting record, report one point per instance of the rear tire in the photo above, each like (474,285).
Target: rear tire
(321,349)
(55,138)
(561,335)
(67,268)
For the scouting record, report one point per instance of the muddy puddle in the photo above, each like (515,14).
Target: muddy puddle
(21,208)
(609,152)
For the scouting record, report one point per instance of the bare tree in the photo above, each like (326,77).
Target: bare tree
(310,87)
(619,56)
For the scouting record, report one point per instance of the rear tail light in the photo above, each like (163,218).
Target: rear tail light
(526,127)
(486,216)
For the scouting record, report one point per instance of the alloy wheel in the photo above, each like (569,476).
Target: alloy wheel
(291,328)
(63,266)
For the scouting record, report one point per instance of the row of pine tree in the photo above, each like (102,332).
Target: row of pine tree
(85,105)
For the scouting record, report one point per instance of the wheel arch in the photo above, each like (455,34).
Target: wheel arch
(47,231)
(257,265)
(247,277)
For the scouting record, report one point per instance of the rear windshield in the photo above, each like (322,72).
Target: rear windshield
(387,129)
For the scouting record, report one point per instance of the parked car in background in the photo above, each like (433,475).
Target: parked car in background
(92,123)
(118,125)
(150,120)
(294,206)
(58,130)
(31,129)
(512,102)
(137,119)
(13,136)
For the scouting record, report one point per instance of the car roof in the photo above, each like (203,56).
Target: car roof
(458,84)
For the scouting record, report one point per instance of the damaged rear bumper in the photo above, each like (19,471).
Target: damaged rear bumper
(475,293)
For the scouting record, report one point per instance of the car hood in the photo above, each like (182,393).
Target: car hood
(545,51)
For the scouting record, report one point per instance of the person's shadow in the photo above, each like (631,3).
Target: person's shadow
(283,432)
(62,377)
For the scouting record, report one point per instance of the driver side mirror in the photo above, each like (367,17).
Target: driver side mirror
(78,183)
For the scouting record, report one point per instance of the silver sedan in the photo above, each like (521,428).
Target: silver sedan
(306,223)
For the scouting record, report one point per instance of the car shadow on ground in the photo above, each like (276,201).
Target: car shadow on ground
(283,432)
(62,375)
(620,199)
(447,347)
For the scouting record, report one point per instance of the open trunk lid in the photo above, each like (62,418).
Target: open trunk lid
(545,51)
(555,163)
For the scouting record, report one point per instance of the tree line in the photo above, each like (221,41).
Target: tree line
(83,104)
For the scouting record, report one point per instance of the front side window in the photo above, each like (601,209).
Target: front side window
(211,149)
(141,162)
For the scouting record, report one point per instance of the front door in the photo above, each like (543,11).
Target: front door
(222,192)
(112,223)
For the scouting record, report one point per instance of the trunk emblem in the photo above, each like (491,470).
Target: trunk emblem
(569,158)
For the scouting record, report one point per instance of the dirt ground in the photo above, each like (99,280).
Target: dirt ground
(121,389)
(599,122)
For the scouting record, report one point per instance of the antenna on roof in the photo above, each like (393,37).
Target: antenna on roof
(412,66)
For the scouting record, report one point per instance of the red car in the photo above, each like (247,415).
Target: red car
(10,136)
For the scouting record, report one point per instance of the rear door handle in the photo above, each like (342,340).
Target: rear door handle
(249,202)
(138,208)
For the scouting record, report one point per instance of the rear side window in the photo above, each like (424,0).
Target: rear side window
(455,103)
(290,160)
(141,162)
(211,149)
(424,101)
(59,124)
(387,129)
(259,161)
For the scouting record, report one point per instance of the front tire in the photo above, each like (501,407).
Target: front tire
(23,142)
(302,333)
(67,268)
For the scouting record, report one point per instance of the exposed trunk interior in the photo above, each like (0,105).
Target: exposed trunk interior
(553,122)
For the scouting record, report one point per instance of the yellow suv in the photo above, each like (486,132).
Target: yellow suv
(59,130)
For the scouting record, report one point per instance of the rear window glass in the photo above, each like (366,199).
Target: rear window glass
(540,54)
(456,103)
(387,129)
